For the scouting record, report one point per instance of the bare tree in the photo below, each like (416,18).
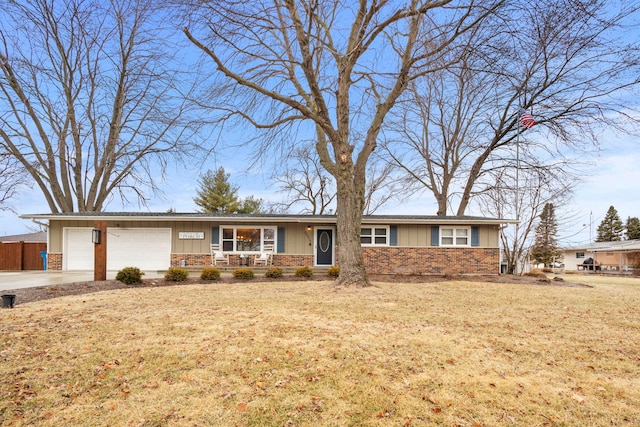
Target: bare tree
(381,186)
(337,66)
(441,129)
(566,62)
(305,184)
(12,178)
(89,105)
(521,191)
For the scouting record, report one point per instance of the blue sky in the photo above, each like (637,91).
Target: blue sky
(612,179)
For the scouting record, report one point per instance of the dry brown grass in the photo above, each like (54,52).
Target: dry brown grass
(304,353)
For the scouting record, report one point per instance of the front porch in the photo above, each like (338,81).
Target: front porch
(237,260)
(617,262)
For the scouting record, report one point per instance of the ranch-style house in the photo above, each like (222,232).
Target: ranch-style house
(392,244)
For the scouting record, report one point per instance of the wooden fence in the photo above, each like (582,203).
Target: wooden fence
(21,255)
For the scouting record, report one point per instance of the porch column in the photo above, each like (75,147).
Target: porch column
(100,250)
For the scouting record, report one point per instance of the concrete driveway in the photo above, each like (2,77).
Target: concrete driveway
(32,279)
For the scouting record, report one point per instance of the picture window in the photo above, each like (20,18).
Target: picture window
(247,239)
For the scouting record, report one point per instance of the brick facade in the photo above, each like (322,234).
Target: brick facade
(378,260)
(204,260)
(385,260)
(283,260)
(54,261)
(431,260)
(190,260)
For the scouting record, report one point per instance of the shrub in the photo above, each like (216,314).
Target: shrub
(243,273)
(305,271)
(333,271)
(449,273)
(130,275)
(210,274)
(176,274)
(273,272)
(536,273)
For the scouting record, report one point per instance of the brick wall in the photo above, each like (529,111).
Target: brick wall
(54,261)
(385,260)
(189,260)
(431,260)
(378,260)
(204,260)
(283,260)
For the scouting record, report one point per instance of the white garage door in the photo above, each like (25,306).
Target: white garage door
(145,248)
(78,249)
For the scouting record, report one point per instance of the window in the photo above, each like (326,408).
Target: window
(579,255)
(376,236)
(247,239)
(452,236)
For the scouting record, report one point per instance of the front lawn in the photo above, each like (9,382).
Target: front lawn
(449,353)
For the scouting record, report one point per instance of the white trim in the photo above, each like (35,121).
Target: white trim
(260,227)
(315,245)
(83,257)
(455,237)
(373,235)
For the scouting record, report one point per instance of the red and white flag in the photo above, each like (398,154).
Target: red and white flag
(526,119)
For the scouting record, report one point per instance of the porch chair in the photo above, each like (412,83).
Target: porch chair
(217,256)
(265,258)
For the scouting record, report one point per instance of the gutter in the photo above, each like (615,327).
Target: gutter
(258,219)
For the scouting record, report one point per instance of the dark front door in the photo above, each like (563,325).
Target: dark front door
(324,246)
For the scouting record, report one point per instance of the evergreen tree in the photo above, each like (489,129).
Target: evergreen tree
(633,228)
(545,249)
(216,195)
(611,227)
(251,205)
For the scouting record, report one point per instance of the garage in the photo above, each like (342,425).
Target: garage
(145,248)
(77,249)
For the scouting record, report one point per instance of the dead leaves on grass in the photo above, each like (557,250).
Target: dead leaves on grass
(388,361)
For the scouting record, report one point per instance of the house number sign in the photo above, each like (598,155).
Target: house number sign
(191,235)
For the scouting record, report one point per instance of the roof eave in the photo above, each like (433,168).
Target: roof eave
(316,219)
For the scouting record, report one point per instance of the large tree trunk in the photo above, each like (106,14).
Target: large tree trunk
(349,220)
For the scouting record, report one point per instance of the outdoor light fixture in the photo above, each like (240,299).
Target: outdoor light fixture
(95,236)
(308,234)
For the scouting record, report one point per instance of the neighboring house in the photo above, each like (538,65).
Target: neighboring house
(605,256)
(40,236)
(391,244)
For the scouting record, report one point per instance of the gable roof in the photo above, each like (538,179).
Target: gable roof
(263,218)
(40,236)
